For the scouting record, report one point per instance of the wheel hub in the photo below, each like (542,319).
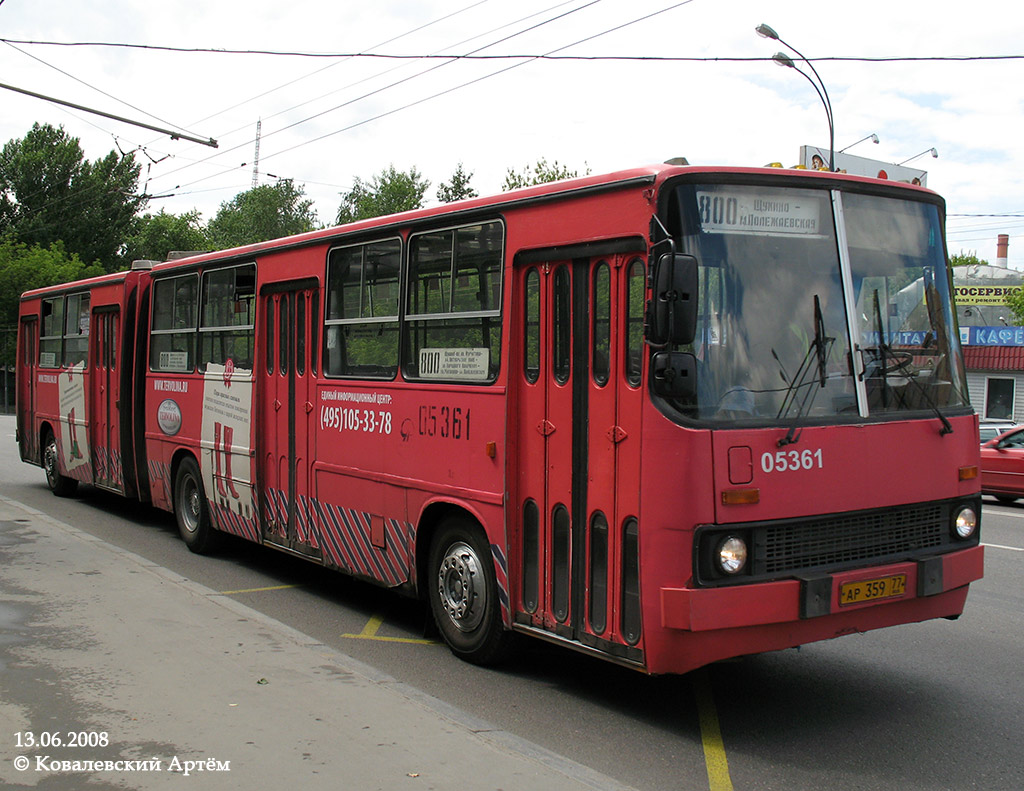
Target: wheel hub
(192,506)
(460,585)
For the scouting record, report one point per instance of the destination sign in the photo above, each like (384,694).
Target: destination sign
(769,213)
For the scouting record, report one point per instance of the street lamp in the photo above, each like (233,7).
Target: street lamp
(784,60)
(872,137)
(933,151)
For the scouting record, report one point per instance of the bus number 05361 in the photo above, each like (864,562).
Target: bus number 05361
(791,461)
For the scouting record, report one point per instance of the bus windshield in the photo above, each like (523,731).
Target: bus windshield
(816,304)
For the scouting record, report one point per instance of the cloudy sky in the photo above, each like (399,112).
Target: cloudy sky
(629,83)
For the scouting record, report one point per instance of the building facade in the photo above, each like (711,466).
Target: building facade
(993,346)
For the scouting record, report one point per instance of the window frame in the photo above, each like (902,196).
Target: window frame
(189,330)
(204,331)
(988,393)
(633,362)
(58,339)
(73,336)
(601,351)
(421,321)
(360,321)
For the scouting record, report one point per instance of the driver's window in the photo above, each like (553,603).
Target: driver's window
(1013,441)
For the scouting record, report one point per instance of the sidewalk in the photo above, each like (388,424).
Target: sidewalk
(168,684)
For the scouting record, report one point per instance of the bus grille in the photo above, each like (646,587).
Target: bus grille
(825,544)
(850,538)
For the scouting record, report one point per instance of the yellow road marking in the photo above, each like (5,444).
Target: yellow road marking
(711,734)
(370,633)
(260,590)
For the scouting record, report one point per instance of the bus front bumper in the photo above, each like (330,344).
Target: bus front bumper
(758,604)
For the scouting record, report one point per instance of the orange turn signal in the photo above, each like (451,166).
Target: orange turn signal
(969,473)
(741,496)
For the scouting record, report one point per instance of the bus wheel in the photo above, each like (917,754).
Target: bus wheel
(463,593)
(191,511)
(60,485)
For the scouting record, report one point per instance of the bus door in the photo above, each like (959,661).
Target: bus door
(28,439)
(287,389)
(577,423)
(104,400)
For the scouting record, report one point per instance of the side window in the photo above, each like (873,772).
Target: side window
(1013,441)
(561,336)
(76,330)
(634,331)
(284,329)
(453,310)
(361,327)
(300,333)
(52,333)
(175,314)
(227,317)
(268,335)
(314,323)
(531,322)
(999,398)
(601,316)
(110,343)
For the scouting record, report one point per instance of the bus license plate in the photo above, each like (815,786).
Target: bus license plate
(870,590)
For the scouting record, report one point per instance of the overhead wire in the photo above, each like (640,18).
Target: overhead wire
(370,77)
(358,82)
(484,77)
(462,85)
(79,201)
(344,58)
(380,90)
(93,87)
(143,148)
(522,59)
(514,56)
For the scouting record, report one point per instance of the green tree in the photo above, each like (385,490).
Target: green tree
(23,268)
(539,173)
(153,236)
(389,192)
(1015,302)
(50,193)
(966,259)
(457,187)
(268,211)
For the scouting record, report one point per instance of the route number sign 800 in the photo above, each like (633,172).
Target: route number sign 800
(791,461)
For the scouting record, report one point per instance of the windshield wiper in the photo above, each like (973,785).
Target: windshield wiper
(885,354)
(817,353)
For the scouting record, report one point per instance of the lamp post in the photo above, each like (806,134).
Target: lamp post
(784,60)
(933,151)
(872,137)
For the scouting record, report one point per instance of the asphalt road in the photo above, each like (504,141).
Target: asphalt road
(926,706)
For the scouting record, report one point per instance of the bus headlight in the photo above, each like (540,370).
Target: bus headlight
(731,555)
(965,522)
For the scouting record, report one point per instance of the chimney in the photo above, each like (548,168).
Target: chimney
(1002,246)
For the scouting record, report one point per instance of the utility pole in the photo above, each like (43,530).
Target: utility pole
(256,161)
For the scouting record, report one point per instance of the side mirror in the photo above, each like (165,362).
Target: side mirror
(674,375)
(673,309)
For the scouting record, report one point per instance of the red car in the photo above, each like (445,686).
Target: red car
(1002,466)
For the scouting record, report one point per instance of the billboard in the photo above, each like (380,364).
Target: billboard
(983,294)
(815,157)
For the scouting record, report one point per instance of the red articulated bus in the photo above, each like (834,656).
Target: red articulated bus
(664,416)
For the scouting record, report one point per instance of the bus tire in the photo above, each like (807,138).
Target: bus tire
(463,593)
(191,511)
(61,485)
